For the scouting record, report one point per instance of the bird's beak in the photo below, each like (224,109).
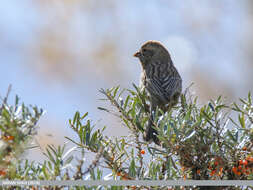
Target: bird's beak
(137,54)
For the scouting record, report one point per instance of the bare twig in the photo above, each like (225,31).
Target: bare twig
(126,117)
(94,162)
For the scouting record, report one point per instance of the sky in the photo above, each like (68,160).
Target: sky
(58,54)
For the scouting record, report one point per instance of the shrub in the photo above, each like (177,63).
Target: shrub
(200,142)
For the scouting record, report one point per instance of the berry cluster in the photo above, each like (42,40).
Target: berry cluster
(243,166)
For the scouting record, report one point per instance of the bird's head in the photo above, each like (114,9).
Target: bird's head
(152,51)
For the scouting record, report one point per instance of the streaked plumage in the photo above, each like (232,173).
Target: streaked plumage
(160,79)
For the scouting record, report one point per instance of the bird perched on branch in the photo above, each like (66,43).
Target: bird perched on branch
(160,79)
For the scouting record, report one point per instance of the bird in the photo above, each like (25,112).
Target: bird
(160,79)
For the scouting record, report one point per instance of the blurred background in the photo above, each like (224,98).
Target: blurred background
(57,54)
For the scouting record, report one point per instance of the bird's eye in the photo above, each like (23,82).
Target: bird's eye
(144,51)
(147,52)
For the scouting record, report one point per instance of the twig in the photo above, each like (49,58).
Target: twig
(94,162)
(126,117)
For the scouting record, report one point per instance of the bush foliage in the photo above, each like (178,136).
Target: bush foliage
(200,142)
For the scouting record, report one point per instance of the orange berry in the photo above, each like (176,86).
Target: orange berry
(238,173)
(234,169)
(198,172)
(216,163)
(244,148)
(245,162)
(143,152)
(2,172)
(240,162)
(247,170)
(8,138)
(213,172)
(250,159)
(218,158)
(118,174)
(239,167)
(125,177)
(220,173)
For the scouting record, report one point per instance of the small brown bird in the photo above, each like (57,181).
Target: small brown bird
(160,79)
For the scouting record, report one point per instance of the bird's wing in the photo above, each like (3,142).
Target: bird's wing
(154,87)
(164,89)
(172,85)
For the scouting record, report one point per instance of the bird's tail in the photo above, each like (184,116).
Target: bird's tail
(150,133)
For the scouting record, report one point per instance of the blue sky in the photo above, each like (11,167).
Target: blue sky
(95,42)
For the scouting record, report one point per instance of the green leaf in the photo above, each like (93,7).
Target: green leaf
(243,101)
(103,109)
(120,156)
(53,149)
(236,135)
(231,136)
(126,102)
(131,92)
(188,115)
(189,134)
(217,108)
(211,106)
(94,137)
(76,117)
(133,112)
(154,150)
(241,120)
(79,145)
(6,115)
(69,159)
(132,170)
(115,92)
(207,117)
(249,98)
(16,103)
(50,156)
(126,122)
(218,100)
(121,92)
(84,115)
(174,129)
(234,122)
(87,139)
(236,108)
(44,170)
